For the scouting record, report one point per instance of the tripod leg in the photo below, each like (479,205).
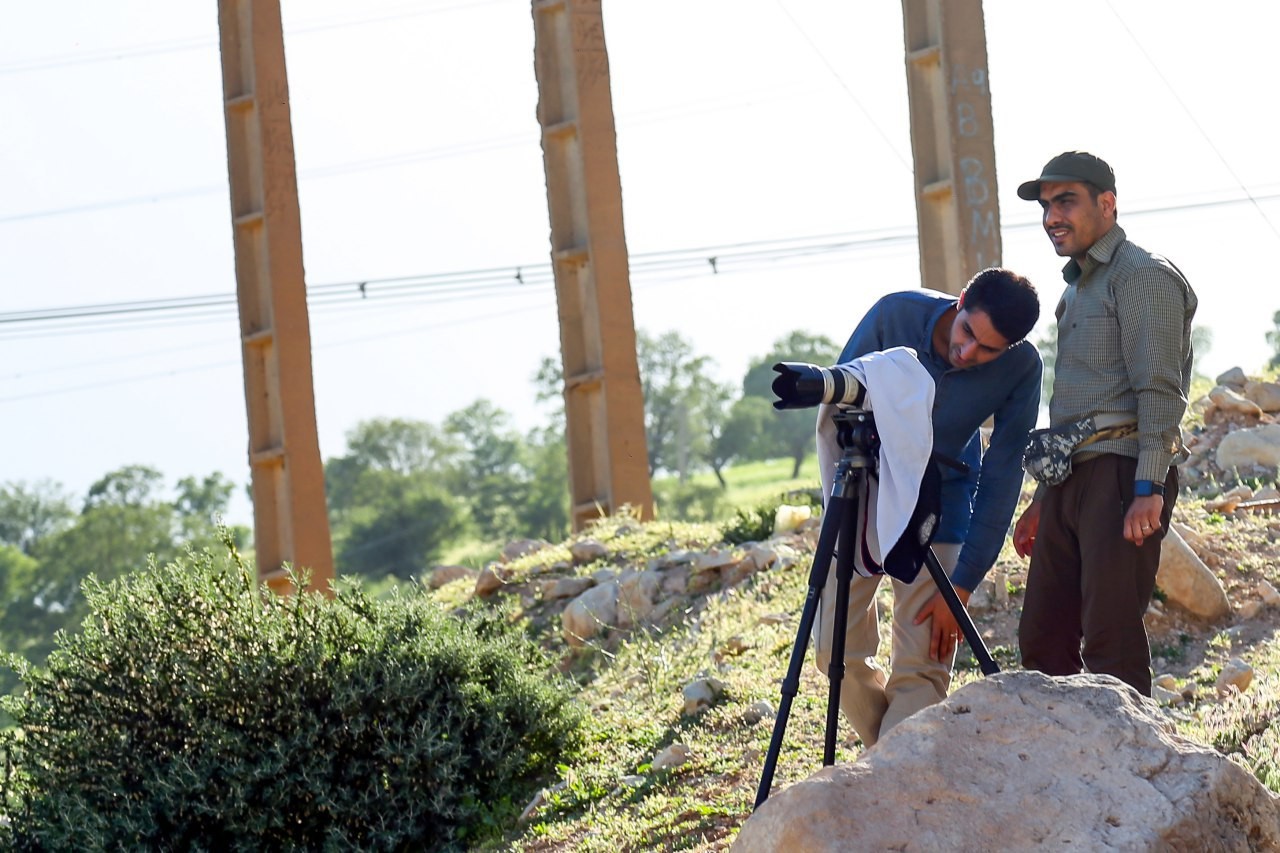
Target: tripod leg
(840,623)
(791,683)
(956,607)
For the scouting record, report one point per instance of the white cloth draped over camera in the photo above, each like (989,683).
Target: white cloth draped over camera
(900,395)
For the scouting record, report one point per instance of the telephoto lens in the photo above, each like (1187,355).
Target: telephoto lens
(799,385)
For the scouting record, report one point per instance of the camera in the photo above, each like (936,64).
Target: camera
(799,385)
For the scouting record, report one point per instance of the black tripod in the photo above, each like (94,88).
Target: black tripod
(856,435)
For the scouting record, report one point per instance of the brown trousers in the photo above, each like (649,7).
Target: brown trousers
(1088,587)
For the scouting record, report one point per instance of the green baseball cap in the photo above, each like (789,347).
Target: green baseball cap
(1071,166)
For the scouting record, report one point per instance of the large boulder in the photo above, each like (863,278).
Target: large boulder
(1021,761)
(1188,582)
(1247,447)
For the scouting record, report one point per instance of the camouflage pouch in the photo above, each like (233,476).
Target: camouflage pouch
(1047,457)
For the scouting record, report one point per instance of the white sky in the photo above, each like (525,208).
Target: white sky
(739,122)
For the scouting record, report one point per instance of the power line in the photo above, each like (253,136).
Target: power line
(492,282)
(1194,121)
(474,284)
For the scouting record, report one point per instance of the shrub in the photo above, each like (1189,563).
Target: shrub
(756,524)
(195,710)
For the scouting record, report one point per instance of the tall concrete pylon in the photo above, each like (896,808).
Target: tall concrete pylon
(290,521)
(604,402)
(952,140)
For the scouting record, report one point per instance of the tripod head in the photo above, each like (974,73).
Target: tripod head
(856,434)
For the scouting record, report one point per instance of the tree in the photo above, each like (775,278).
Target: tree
(1273,338)
(683,405)
(29,513)
(402,530)
(744,434)
(544,508)
(791,432)
(1201,343)
(390,507)
(200,507)
(125,523)
(1047,344)
(490,469)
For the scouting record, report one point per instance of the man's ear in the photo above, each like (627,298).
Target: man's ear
(1108,200)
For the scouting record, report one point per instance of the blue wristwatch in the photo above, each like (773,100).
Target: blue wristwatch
(1147,488)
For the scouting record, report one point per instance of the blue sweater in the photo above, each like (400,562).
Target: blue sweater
(976,507)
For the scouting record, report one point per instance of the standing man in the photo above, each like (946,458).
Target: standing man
(1124,359)
(973,348)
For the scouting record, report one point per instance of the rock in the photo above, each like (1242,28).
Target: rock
(1022,761)
(758,711)
(675,581)
(1236,675)
(702,694)
(488,581)
(1165,697)
(713,560)
(787,518)
(1192,538)
(1226,400)
(637,591)
(1265,394)
(554,590)
(518,548)
(442,575)
(1268,593)
(1234,378)
(672,756)
(588,551)
(590,613)
(992,593)
(1248,609)
(1243,448)
(1188,582)
(738,572)
(762,556)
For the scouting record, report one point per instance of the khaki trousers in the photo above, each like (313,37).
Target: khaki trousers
(874,701)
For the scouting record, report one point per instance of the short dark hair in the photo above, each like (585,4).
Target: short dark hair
(1009,299)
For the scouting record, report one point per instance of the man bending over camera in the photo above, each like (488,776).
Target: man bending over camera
(974,349)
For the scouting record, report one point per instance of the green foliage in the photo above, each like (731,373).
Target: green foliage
(687,501)
(198,711)
(751,525)
(402,532)
(30,513)
(1273,338)
(790,432)
(123,520)
(684,408)
(1048,347)
(407,492)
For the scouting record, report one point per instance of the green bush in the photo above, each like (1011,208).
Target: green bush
(756,524)
(196,711)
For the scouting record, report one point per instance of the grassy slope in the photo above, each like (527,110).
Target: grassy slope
(611,799)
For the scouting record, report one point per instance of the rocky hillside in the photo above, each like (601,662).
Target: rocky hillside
(680,634)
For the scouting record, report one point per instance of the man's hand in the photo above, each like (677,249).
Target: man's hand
(946,630)
(1024,532)
(1143,518)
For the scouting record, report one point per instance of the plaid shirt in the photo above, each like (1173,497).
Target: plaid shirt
(1124,347)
